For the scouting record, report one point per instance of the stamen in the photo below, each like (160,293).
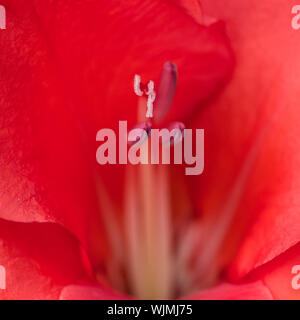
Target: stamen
(207,257)
(166,91)
(148,225)
(191,235)
(133,234)
(166,276)
(108,214)
(150,267)
(156,220)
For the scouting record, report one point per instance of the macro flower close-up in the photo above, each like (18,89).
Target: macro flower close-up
(90,209)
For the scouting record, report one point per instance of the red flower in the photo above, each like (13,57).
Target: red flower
(66,222)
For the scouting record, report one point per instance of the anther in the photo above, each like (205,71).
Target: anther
(166,91)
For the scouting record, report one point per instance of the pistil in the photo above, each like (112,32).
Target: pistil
(149,238)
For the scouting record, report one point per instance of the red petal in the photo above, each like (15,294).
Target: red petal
(88,292)
(227,291)
(278,277)
(40,259)
(252,133)
(67,71)
(192,7)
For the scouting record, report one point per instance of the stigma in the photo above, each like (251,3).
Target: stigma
(140,89)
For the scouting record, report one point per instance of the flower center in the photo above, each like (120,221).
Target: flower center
(155,248)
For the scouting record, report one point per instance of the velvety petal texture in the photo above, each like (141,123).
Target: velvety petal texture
(88,292)
(67,70)
(281,275)
(40,259)
(247,291)
(252,148)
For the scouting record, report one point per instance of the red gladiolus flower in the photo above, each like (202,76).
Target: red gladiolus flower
(72,229)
